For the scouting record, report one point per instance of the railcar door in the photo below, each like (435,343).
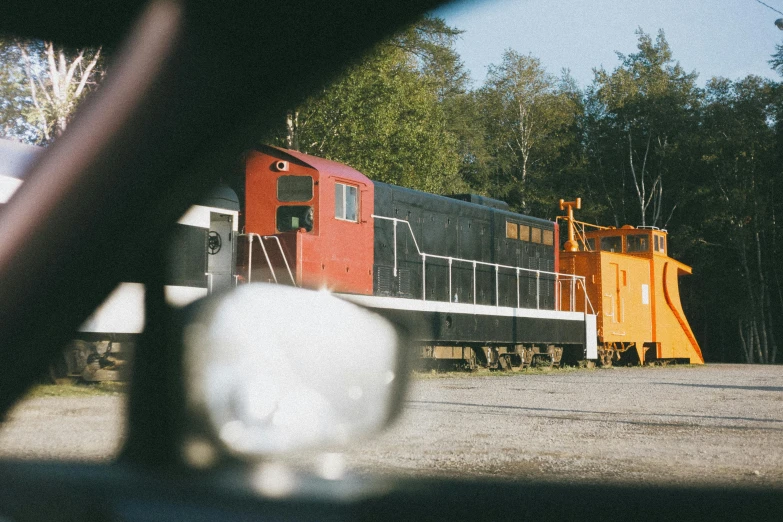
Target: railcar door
(220,252)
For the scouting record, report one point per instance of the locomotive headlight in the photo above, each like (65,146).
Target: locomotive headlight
(276,370)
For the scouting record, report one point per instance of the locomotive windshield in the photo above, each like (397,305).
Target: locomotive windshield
(295,188)
(295,217)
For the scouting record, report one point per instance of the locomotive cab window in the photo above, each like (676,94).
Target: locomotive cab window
(612,244)
(295,188)
(346,202)
(512,230)
(638,243)
(295,217)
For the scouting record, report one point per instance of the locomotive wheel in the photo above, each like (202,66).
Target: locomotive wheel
(470,363)
(543,360)
(605,356)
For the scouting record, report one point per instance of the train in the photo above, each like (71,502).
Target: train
(475,284)
(481,286)
(202,261)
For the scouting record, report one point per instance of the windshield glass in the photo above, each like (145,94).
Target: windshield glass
(647,128)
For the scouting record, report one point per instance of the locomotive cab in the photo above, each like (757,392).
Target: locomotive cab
(308,222)
(627,240)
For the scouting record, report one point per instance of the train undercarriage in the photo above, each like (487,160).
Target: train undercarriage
(93,361)
(498,357)
(471,357)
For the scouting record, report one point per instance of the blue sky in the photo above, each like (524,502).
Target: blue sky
(730,38)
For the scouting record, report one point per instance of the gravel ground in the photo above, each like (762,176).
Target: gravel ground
(711,425)
(65,428)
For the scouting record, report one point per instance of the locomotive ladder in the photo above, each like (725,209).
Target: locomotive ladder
(575,282)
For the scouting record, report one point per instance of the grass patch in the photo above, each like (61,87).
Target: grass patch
(483,372)
(78,389)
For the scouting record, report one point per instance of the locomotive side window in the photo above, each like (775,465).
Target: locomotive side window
(638,243)
(294,217)
(549,237)
(524,232)
(612,244)
(295,188)
(345,202)
(535,235)
(512,230)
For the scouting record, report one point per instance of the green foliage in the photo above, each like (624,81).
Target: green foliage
(41,86)
(14,95)
(733,238)
(385,115)
(639,119)
(776,62)
(529,119)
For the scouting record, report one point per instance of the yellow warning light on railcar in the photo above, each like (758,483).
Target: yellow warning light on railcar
(633,286)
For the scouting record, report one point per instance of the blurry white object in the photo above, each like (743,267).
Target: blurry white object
(276,369)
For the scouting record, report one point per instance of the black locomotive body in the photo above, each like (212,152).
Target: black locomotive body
(447,227)
(492,268)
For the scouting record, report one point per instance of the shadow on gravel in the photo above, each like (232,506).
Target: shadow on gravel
(487,409)
(724,386)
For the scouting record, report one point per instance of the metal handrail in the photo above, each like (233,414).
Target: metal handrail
(261,239)
(557,275)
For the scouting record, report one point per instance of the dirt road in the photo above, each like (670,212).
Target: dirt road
(718,424)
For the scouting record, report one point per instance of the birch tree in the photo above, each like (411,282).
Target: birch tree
(643,111)
(523,109)
(57,81)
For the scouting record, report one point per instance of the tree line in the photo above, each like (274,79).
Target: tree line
(643,144)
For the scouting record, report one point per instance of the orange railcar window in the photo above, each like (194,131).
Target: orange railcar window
(524,232)
(612,244)
(512,230)
(549,237)
(638,243)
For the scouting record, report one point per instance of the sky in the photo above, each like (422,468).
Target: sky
(729,38)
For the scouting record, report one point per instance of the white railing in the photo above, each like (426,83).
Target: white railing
(575,281)
(261,240)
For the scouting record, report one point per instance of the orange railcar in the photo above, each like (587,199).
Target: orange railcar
(632,284)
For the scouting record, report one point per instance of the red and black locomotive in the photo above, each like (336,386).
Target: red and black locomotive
(482,280)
